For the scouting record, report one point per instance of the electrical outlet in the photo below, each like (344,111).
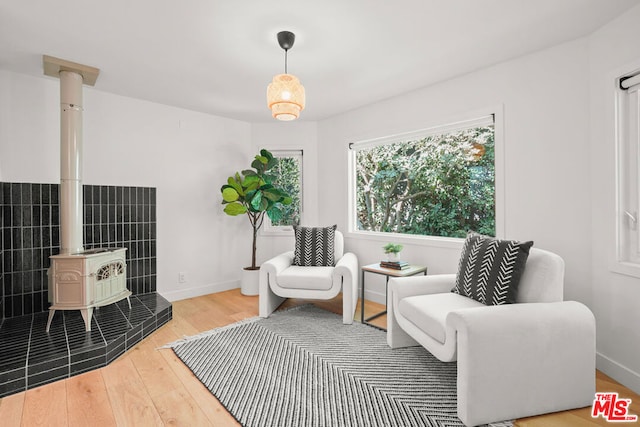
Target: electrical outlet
(182,277)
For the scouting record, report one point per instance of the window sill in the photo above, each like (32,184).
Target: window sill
(625,268)
(277,231)
(431,241)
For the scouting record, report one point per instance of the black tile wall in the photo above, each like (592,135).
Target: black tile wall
(124,217)
(1,252)
(30,231)
(30,227)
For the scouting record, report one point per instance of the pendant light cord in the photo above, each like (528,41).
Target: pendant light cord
(285,60)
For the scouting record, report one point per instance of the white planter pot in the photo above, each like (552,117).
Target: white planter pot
(393,257)
(249,282)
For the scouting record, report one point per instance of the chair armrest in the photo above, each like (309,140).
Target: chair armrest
(402,287)
(269,270)
(278,263)
(345,273)
(347,266)
(518,324)
(524,359)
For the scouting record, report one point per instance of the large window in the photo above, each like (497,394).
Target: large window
(628,169)
(436,182)
(288,175)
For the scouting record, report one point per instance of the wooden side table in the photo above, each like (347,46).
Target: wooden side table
(387,272)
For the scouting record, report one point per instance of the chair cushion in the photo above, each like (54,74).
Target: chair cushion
(429,312)
(314,246)
(489,270)
(297,277)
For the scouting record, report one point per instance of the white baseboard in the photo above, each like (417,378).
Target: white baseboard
(200,290)
(212,288)
(618,372)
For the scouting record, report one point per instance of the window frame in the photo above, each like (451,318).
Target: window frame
(627,176)
(432,128)
(268,229)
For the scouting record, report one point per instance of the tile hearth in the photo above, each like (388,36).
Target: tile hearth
(29,357)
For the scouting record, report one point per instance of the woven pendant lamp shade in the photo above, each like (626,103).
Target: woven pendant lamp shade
(285,97)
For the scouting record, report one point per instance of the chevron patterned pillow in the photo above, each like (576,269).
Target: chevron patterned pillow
(489,270)
(314,246)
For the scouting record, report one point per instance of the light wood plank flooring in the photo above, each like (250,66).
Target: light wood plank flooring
(151,387)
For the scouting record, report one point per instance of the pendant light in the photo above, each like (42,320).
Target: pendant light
(285,94)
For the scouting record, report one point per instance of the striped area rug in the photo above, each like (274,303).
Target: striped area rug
(303,367)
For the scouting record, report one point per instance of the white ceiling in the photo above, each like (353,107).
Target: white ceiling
(219,56)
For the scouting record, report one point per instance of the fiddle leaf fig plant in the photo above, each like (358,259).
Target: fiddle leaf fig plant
(251,192)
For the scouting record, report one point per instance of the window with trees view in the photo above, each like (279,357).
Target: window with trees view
(438,182)
(288,175)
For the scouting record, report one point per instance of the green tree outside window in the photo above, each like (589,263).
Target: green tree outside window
(440,185)
(288,176)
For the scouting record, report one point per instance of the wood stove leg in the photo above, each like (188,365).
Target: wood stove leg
(129,301)
(51,313)
(86,315)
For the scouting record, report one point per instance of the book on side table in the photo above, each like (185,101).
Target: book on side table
(396,265)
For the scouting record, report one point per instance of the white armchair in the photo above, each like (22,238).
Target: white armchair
(279,279)
(514,360)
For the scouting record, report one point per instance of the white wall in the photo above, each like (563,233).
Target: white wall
(29,129)
(297,135)
(186,155)
(545,101)
(616,298)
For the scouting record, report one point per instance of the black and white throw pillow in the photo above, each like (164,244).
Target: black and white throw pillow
(489,270)
(314,246)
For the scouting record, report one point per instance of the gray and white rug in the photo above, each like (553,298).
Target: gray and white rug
(303,367)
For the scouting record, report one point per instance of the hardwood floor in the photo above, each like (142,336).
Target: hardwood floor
(148,386)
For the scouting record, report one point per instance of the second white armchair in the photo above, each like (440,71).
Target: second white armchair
(529,357)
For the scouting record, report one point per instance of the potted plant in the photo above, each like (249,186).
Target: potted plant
(251,192)
(392,250)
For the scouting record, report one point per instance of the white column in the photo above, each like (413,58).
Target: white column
(71,205)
